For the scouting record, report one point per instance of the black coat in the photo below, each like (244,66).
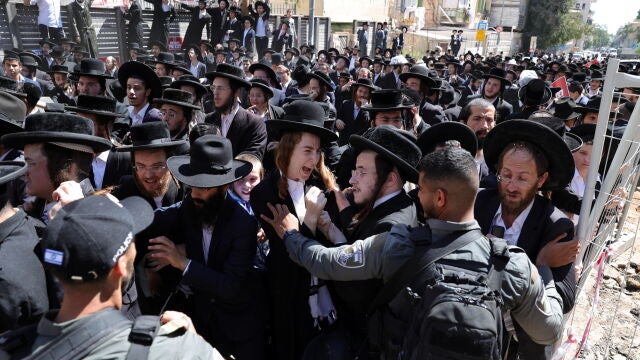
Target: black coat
(247,132)
(118,165)
(352,126)
(289,284)
(503,108)
(160,23)
(81,24)
(128,187)
(249,41)
(193,35)
(432,114)
(134,28)
(544,223)
(218,24)
(225,307)
(23,287)
(237,27)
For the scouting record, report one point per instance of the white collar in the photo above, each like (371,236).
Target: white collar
(385,198)
(103,156)
(295,186)
(233,112)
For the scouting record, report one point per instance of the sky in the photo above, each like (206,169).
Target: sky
(614,13)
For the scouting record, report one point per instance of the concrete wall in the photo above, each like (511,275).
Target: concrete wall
(349,10)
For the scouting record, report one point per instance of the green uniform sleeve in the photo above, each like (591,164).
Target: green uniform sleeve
(536,305)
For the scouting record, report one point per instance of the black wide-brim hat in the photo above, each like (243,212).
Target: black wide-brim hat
(51,127)
(266,68)
(536,92)
(561,165)
(138,69)
(385,100)
(397,146)
(91,67)
(497,73)
(419,72)
(586,132)
(573,142)
(261,84)
(177,97)
(96,105)
(150,136)
(211,164)
(231,72)
(322,78)
(301,116)
(449,130)
(11,170)
(365,83)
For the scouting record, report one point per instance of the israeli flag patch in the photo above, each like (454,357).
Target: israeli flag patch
(53,257)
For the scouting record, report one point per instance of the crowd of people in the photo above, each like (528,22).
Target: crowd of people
(264,201)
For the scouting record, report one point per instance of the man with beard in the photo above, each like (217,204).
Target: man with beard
(351,120)
(108,166)
(245,130)
(494,84)
(89,324)
(177,108)
(219,239)
(151,147)
(529,157)
(61,92)
(480,116)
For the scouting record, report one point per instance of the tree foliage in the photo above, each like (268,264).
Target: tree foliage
(599,38)
(553,23)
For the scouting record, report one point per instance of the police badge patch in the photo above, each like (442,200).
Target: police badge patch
(352,256)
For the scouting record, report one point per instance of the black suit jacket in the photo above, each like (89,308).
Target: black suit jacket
(237,28)
(247,132)
(352,126)
(249,41)
(224,293)
(432,114)
(544,223)
(118,165)
(292,326)
(218,24)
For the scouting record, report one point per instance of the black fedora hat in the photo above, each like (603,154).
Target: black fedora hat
(152,43)
(385,100)
(11,170)
(166,58)
(231,72)
(302,116)
(57,128)
(29,59)
(140,70)
(211,164)
(12,111)
(79,49)
(91,67)
(261,84)
(572,141)
(561,165)
(323,78)
(535,93)
(396,146)
(437,134)
(97,105)
(579,77)
(497,73)
(293,50)
(365,83)
(586,132)
(165,81)
(47,41)
(177,97)
(11,86)
(266,68)
(593,106)
(346,59)
(58,52)
(135,46)
(419,72)
(149,136)
(564,108)
(190,80)
(58,69)
(596,75)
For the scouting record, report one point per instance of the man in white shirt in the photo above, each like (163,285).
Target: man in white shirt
(49,18)
(529,157)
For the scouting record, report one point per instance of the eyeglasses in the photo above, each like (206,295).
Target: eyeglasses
(219,88)
(154,169)
(518,182)
(358,173)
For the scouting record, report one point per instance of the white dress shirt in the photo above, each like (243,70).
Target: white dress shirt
(512,234)
(260,27)
(296,190)
(137,117)
(225,120)
(48,13)
(207,233)
(99,165)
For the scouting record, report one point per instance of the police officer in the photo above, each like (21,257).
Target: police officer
(448,185)
(89,324)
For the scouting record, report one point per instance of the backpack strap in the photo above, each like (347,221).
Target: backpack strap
(422,259)
(79,342)
(498,259)
(143,331)
(18,342)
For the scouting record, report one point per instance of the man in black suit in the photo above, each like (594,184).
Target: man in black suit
(218,22)
(151,146)
(391,80)
(248,38)
(142,85)
(494,84)
(351,120)
(219,239)
(233,28)
(246,131)
(108,166)
(418,80)
(529,157)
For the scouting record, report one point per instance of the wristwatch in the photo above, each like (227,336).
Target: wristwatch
(288,233)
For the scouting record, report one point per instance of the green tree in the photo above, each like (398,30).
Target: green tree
(553,23)
(599,38)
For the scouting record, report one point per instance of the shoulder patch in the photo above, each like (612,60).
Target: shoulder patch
(352,256)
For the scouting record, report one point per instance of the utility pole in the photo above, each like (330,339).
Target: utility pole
(312,10)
